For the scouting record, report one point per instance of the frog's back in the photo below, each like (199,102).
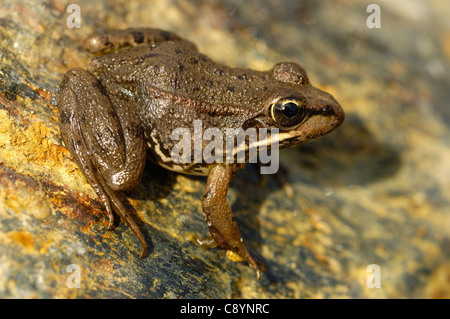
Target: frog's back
(177,68)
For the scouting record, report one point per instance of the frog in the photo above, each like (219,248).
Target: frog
(143,83)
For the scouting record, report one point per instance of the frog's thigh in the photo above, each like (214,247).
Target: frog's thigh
(110,149)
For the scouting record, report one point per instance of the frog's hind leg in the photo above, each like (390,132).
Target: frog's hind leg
(128,38)
(109,150)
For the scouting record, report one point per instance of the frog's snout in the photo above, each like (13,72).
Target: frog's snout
(327,106)
(336,112)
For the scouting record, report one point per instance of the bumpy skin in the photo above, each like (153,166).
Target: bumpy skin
(128,103)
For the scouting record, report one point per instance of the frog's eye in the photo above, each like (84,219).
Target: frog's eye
(288,112)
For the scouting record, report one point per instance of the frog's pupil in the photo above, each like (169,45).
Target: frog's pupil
(290,109)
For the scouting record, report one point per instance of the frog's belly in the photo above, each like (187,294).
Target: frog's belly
(162,157)
(190,169)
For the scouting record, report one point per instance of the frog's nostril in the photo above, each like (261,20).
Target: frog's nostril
(327,109)
(333,110)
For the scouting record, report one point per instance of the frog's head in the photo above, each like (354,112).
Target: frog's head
(299,110)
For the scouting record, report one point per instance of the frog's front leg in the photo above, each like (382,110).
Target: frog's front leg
(105,138)
(218,214)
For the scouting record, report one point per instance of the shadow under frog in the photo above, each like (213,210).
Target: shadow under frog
(147,83)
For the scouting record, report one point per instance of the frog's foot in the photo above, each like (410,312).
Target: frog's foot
(125,215)
(93,131)
(241,253)
(238,251)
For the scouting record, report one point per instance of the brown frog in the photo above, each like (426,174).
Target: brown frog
(149,82)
